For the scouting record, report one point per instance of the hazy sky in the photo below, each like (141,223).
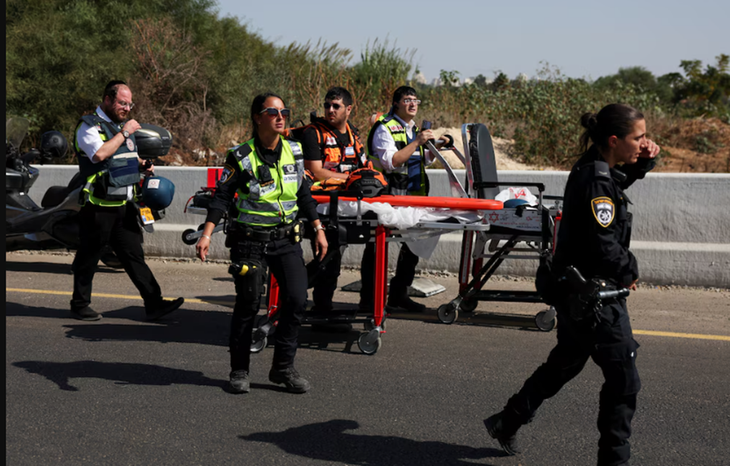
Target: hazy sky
(582,38)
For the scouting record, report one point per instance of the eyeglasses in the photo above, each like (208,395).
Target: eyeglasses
(409,101)
(124,104)
(327,106)
(271,111)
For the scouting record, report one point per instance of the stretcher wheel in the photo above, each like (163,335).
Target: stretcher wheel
(186,239)
(369,342)
(259,342)
(468,305)
(447,313)
(545,320)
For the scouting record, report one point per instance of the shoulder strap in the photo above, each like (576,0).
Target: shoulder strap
(93,120)
(354,129)
(601,170)
(371,134)
(242,151)
(296,149)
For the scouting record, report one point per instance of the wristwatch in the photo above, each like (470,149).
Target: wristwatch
(125,134)
(319,227)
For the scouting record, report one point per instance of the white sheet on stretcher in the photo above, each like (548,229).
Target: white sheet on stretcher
(403,218)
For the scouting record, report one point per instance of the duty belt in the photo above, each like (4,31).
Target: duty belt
(272,234)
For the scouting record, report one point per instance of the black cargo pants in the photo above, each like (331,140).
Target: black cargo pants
(118,227)
(612,347)
(405,272)
(286,263)
(325,281)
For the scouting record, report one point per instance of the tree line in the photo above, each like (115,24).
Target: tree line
(196,73)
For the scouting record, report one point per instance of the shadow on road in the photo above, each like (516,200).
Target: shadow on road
(21,310)
(61,373)
(182,326)
(328,441)
(51,267)
(209,327)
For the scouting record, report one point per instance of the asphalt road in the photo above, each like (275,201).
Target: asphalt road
(124,391)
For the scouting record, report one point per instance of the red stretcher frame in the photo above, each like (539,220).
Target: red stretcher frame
(370,341)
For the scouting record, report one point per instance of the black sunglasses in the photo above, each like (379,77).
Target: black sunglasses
(271,111)
(327,105)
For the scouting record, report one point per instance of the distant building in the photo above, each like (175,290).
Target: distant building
(420,78)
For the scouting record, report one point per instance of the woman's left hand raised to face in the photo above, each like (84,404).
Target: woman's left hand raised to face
(649,150)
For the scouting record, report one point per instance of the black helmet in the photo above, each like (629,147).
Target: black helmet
(53,144)
(157,192)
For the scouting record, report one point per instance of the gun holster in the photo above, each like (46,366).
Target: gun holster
(581,307)
(253,273)
(586,306)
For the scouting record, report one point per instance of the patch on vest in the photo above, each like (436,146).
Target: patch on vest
(267,188)
(603,210)
(290,173)
(130,145)
(397,128)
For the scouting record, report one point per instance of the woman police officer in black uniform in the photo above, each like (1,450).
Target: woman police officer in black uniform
(267,173)
(594,238)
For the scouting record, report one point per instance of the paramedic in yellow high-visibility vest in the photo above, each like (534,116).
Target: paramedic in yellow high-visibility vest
(107,154)
(262,189)
(396,147)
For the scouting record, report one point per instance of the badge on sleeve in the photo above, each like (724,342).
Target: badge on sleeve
(226,174)
(603,210)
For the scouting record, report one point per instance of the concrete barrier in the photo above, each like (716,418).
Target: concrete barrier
(681,229)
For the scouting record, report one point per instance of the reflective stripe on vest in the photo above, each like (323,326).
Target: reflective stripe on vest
(275,202)
(93,170)
(89,196)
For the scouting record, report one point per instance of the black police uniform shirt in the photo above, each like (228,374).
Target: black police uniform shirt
(595,229)
(232,179)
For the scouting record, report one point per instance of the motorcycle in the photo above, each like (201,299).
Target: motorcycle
(54,224)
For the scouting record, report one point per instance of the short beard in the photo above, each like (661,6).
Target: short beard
(110,113)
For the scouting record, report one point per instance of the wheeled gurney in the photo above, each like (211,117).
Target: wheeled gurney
(519,232)
(360,225)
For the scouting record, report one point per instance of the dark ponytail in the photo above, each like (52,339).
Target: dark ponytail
(613,120)
(257,105)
